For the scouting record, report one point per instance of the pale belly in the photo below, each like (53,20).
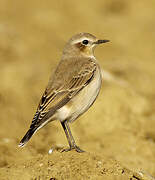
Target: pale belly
(82,101)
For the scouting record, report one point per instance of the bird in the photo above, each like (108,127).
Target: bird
(72,88)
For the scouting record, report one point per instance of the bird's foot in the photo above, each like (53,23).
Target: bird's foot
(75,147)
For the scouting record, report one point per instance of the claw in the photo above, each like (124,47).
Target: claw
(76,148)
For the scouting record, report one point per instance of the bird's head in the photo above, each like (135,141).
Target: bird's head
(82,44)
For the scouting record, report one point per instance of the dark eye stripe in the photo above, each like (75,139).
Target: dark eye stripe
(85,42)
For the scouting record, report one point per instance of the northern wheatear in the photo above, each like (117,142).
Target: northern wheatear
(72,88)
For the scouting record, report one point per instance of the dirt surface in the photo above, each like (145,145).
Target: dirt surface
(117,133)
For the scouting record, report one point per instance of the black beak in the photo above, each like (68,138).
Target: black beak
(101,41)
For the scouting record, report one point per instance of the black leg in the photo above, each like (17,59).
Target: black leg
(66,132)
(70,138)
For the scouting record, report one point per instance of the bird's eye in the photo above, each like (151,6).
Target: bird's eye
(85,42)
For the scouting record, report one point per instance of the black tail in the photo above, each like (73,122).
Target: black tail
(27,136)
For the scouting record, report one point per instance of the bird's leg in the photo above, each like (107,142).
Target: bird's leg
(66,132)
(70,138)
(74,146)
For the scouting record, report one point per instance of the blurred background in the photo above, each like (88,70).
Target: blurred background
(121,122)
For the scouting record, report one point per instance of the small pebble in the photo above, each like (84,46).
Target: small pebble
(50,151)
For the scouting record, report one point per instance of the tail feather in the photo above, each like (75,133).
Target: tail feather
(27,137)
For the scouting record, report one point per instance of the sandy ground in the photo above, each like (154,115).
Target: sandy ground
(117,133)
